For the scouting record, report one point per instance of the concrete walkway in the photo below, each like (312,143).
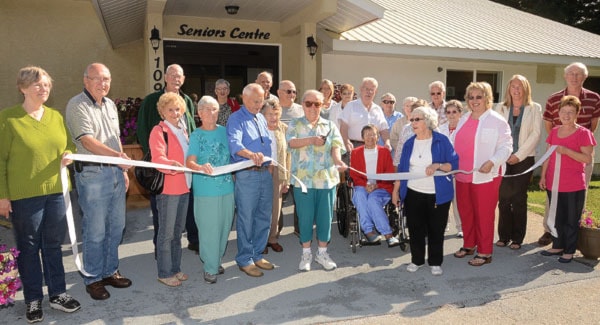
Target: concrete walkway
(371,286)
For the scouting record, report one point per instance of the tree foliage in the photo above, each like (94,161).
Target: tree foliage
(583,14)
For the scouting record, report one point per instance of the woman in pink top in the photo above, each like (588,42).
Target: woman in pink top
(575,148)
(172,203)
(483,143)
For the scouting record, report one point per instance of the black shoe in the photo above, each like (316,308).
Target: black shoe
(65,303)
(547,253)
(194,247)
(221,269)
(34,312)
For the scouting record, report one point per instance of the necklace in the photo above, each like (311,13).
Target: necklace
(421,146)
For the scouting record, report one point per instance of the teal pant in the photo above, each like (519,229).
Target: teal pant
(214,216)
(314,208)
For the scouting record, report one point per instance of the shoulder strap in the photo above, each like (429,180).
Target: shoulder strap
(166,136)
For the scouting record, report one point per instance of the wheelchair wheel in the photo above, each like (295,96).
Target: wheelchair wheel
(342,205)
(392,213)
(354,241)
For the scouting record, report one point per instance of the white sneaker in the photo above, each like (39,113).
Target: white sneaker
(459,234)
(325,261)
(436,270)
(412,267)
(305,262)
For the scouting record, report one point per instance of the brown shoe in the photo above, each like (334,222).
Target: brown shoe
(276,247)
(264,264)
(266,250)
(97,291)
(251,270)
(117,280)
(545,240)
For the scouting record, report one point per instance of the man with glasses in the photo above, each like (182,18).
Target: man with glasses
(249,139)
(437,91)
(388,103)
(361,112)
(287,96)
(148,117)
(92,121)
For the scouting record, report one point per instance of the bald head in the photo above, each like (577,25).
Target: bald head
(253,96)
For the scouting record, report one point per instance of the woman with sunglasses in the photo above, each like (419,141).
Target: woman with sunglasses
(426,200)
(525,119)
(316,146)
(483,142)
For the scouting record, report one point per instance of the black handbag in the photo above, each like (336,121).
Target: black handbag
(151,178)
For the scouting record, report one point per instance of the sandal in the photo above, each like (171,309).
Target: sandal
(462,252)
(514,246)
(171,282)
(502,243)
(181,276)
(479,260)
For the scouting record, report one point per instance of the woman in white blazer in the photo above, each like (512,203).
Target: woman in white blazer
(525,120)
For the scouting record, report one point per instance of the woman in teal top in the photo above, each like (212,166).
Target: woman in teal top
(213,195)
(33,140)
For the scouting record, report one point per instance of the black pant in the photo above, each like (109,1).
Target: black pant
(569,206)
(425,219)
(512,203)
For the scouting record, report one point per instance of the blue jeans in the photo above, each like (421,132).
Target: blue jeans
(370,208)
(39,223)
(172,211)
(190,222)
(254,201)
(101,193)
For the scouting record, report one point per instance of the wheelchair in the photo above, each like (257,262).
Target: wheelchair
(348,219)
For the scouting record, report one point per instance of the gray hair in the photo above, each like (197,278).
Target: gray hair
(206,102)
(222,82)
(390,95)
(579,66)
(172,67)
(314,92)
(438,84)
(370,80)
(409,99)
(429,115)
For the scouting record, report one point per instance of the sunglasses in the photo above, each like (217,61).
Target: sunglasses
(475,97)
(388,101)
(290,91)
(451,112)
(433,94)
(416,119)
(308,103)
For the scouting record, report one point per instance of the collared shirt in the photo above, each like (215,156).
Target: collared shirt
(442,119)
(85,117)
(248,131)
(356,115)
(313,165)
(590,107)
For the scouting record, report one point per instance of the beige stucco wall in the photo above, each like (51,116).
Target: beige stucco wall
(63,37)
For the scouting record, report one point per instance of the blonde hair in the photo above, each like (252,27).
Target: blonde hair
(526,91)
(167,99)
(485,88)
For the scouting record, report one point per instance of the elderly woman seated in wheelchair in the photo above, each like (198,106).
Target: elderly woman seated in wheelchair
(371,196)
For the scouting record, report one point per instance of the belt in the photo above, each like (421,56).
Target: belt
(257,168)
(80,164)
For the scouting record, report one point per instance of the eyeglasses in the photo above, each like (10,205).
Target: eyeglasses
(388,101)
(289,91)
(100,79)
(475,97)
(433,94)
(222,89)
(416,119)
(451,112)
(308,103)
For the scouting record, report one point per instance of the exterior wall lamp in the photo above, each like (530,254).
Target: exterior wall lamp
(155,39)
(232,10)
(312,46)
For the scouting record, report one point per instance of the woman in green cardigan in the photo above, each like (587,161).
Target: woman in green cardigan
(33,141)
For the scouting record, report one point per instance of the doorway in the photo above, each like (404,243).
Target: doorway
(204,63)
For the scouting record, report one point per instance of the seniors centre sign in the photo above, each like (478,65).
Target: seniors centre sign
(235,33)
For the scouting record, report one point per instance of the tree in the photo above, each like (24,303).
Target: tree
(583,14)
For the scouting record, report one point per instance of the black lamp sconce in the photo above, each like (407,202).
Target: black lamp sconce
(232,10)
(312,46)
(155,39)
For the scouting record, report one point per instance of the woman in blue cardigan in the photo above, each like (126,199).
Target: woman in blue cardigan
(426,199)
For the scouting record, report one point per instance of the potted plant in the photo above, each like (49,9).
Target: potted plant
(588,241)
(128,112)
(9,276)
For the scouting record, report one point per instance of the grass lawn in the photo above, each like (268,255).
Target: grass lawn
(537,199)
